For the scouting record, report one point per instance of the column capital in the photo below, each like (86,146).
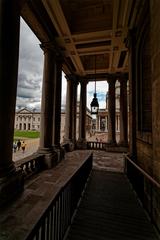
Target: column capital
(73,79)
(111,79)
(83,81)
(49,47)
(123,78)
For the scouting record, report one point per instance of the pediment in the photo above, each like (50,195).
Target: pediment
(24,111)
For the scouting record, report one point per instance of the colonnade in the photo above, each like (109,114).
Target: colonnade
(123,110)
(10,177)
(116,121)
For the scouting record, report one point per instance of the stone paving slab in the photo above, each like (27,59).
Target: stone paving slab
(108,161)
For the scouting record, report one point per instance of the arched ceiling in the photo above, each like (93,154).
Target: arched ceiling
(88,33)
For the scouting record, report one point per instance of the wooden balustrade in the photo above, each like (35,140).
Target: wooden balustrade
(57,217)
(146,187)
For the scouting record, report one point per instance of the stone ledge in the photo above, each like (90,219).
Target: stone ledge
(19,218)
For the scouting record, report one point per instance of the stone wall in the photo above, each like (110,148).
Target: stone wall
(145,82)
(155,63)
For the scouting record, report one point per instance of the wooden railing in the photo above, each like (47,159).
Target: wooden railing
(96,145)
(58,216)
(146,187)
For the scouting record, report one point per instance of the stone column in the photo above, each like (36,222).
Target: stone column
(74,110)
(46,127)
(97,123)
(10,179)
(81,144)
(123,112)
(111,111)
(59,152)
(57,104)
(71,111)
(68,120)
(106,124)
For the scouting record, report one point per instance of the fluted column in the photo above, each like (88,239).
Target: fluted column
(111,111)
(82,115)
(123,112)
(10,179)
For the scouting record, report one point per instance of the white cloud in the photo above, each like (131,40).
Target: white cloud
(31,74)
(30,69)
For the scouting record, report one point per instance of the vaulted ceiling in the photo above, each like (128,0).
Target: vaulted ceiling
(89,33)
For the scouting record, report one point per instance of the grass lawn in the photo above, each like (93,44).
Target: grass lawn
(26,134)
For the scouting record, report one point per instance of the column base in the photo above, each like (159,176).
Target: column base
(69,145)
(10,187)
(50,157)
(112,143)
(123,144)
(81,144)
(60,152)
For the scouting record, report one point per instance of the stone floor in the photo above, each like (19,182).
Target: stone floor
(108,161)
(19,218)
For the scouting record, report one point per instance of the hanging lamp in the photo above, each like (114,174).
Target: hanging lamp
(94,104)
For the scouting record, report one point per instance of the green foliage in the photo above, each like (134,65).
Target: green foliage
(26,134)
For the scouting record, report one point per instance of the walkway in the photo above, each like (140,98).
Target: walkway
(110,210)
(31,147)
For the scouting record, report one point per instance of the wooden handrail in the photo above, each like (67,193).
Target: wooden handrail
(142,171)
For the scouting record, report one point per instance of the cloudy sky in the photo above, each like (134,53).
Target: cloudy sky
(31,73)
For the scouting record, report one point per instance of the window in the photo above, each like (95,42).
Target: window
(144,83)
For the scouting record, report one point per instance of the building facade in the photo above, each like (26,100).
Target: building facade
(27,120)
(101,123)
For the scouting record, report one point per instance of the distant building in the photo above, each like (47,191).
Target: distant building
(100,123)
(88,121)
(27,120)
